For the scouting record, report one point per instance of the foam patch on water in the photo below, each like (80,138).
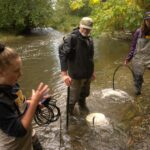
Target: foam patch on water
(116,95)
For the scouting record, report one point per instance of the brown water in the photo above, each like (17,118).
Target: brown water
(129,120)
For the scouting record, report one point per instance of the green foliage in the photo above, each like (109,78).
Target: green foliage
(145,4)
(80,7)
(116,15)
(64,23)
(74,5)
(112,15)
(64,18)
(20,15)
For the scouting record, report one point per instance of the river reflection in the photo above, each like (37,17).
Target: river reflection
(129,123)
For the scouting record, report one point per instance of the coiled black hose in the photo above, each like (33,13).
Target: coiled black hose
(47,113)
(121,65)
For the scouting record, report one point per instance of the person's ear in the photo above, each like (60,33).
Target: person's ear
(2,72)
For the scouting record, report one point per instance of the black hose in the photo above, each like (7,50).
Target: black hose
(121,65)
(42,115)
(67,107)
(47,113)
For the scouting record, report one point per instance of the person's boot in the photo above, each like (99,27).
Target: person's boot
(83,107)
(71,109)
(36,143)
(138,84)
(137,91)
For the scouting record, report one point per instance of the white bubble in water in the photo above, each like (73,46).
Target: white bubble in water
(117,95)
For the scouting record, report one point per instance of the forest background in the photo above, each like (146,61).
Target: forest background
(21,16)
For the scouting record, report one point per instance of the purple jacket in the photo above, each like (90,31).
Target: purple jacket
(136,35)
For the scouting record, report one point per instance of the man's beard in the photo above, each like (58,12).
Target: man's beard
(85,35)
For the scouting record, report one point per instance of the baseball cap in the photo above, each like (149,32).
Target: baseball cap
(86,22)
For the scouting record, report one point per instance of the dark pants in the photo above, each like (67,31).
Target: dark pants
(36,143)
(79,90)
(138,80)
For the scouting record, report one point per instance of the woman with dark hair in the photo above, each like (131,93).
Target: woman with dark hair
(140,52)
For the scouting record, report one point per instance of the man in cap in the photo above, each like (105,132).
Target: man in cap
(77,66)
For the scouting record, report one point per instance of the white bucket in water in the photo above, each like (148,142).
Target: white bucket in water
(97,119)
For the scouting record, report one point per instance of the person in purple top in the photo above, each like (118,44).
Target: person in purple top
(139,52)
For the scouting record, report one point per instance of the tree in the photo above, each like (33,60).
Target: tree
(23,15)
(65,17)
(112,15)
(117,15)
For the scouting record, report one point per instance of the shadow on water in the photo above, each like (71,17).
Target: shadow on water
(129,126)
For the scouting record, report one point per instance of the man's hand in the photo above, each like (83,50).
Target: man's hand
(67,79)
(93,77)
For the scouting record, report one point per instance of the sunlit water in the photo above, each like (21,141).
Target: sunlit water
(128,117)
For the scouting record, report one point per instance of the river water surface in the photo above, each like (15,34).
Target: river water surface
(129,119)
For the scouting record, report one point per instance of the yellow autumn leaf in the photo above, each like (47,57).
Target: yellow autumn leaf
(94,2)
(129,2)
(77,4)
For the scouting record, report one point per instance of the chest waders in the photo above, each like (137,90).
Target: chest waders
(140,62)
(16,143)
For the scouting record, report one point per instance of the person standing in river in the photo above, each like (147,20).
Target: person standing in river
(15,119)
(77,65)
(140,52)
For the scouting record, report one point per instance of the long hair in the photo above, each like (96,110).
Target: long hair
(145,30)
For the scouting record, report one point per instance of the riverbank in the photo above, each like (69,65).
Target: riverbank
(121,35)
(8,37)
(124,35)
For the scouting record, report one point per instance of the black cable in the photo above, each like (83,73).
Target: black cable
(47,112)
(60,135)
(56,111)
(42,115)
(121,65)
(67,107)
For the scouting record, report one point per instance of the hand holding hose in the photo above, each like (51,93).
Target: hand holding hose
(67,79)
(126,62)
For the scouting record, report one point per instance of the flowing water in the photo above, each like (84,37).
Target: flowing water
(129,119)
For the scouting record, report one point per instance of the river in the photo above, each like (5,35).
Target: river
(129,119)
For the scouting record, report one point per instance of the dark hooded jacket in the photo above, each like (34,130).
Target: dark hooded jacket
(10,115)
(76,55)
